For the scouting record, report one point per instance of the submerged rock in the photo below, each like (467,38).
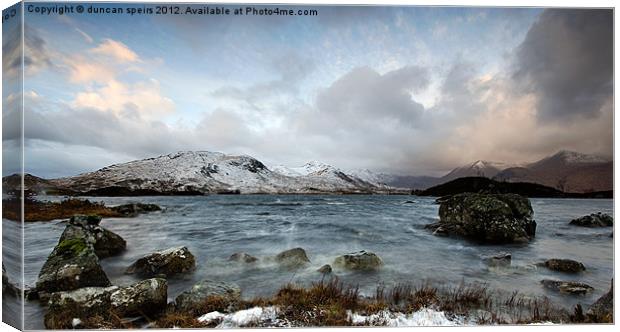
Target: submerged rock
(361,260)
(488,218)
(105,305)
(7,287)
(217,293)
(105,242)
(72,264)
(594,220)
(499,259)
(242,258)
(166,262)
(564,265)
(569,287)
(602,311)
(134,209)
(325,269)
(293,258)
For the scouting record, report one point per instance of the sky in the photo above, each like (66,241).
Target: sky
(403,90)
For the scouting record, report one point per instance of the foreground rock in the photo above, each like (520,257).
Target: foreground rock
(72,264)
(488,218)
(242,258)
(325,269)
(166,262)
(500,259)
(7,287)
(134,209)
(101,307)
(361,260)
(208,292)
(594,220)
(569,287)
(564,265)
(105,242)
(293,258)
(602,311)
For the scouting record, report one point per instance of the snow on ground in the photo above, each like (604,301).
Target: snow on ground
(268,316)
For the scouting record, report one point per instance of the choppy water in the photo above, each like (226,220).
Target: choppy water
(214,227)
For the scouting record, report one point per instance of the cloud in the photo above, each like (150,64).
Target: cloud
(117,50)
(35,54)
(86,36)
(566,60)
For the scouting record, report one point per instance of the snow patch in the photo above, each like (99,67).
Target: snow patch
(423,317)
(240,318)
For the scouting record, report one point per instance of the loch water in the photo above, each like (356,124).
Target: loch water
(214,227)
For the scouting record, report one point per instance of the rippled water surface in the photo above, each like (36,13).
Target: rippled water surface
(214,227)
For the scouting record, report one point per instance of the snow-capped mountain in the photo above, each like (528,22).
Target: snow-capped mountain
(481,168)
(213,172)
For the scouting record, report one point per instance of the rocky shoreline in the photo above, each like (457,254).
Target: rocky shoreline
(77,292)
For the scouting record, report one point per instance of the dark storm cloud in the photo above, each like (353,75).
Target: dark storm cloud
(566,59)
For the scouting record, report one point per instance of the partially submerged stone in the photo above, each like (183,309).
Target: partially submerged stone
(134,209)
(166,262)
(106,304)
(325,269)
(569,287)
(499,259)
(564,265)
(105,242)
(242,257)
(361,260)
(594,220)
(194,299)
(293,258)
(488,218)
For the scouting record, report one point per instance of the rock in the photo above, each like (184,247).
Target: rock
(72,264)
(105,242)
(361,260)
(564,265)
(594,220)
(167,262)
(602,311)
(488,218)
(242,257)
(220,292)
(70,309)
(293,258)
(499,259)
(147,297)
(569,287)
(7,287)
(325,269)
(134,209)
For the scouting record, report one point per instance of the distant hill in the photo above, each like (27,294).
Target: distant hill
(486,185)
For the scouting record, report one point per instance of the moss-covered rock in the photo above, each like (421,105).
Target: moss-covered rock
(105,242)
(166,262)
(602,311)
(72,264)
(568,287)
(488,218)
(361,260)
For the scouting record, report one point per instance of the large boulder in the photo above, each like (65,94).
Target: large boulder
(488,218)
(569,287)
(166,262)
(105,242)
(361,260)
(72,264)
(293,258)
(134,209)
(564,265)
(101,307)
(602,311)
(594,220)
(208,295)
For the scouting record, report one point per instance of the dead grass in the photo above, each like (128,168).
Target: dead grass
(45,211)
